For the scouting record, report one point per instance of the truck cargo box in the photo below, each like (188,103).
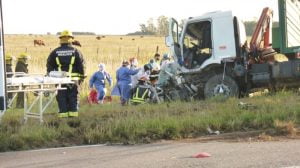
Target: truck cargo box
(286,69)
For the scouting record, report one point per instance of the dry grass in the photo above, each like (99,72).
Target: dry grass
(285,127)
(110,50)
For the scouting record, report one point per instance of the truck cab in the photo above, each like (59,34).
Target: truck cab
(206,40)
(213,55)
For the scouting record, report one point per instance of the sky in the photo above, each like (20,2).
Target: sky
(113,17)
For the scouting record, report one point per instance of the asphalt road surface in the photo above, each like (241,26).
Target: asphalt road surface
(168,154)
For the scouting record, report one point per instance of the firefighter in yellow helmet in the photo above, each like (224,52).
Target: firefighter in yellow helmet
(8,65)
(69,59)
(21,67)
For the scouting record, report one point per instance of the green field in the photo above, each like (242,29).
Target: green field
(113,123)
(110,50)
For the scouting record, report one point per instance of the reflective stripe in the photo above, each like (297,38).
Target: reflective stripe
(137,99)
(58,63)
(63,115)
(71,64)
(73,114)
(74,76)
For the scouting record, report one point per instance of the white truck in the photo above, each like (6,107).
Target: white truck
(213,56)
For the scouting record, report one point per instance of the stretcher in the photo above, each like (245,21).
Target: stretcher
(45,89)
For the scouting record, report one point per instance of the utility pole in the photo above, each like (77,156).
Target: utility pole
(2,67)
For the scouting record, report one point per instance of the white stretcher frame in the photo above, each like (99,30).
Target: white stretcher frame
(38,88)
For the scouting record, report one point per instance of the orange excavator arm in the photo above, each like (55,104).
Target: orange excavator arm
(261,37)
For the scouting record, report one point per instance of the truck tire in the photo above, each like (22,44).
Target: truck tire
(215,87)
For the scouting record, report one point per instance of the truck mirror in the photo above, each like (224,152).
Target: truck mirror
(168,41)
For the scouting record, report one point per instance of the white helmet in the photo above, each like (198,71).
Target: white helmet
(102,66)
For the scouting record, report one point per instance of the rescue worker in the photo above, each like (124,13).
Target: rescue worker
(156,62)
(98,81)
(124,74)
(141,93)
(144,72)
(165,60)
(69,59)
(8,64)
(133,63)
(21,67)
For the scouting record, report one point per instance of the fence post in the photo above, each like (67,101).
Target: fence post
(138,52)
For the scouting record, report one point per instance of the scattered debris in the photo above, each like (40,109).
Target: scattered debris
(201,155)
(247,106)
(210,131)
(265,137)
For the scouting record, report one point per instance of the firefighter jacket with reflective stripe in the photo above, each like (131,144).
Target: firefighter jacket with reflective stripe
(21,67)
(140,94)
(66,58)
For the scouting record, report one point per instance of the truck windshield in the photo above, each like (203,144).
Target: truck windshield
(197,44)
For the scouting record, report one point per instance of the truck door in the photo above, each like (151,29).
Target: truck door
(2,68)
(172,40)
(197,43)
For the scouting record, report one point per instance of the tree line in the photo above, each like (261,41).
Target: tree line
(162,24)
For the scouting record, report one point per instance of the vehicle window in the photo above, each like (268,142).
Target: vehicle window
(197,44)
(175,31)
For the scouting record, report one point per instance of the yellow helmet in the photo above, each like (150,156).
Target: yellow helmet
(66,33)
(8,57)
(24,55)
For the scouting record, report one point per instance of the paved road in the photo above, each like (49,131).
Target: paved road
(170,154)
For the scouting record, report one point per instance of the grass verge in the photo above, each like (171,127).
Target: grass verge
(112,123)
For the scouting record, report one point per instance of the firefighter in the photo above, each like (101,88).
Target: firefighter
(123,86)
(133,63)
(156,62)
(8,64)
(144,72)
(141,93)
(165,60)
(98,81)
(21,67)
(69,59)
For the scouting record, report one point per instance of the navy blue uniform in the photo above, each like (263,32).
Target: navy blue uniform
(21,66)
(69,59)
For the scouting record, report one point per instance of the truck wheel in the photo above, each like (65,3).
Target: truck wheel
(215,87)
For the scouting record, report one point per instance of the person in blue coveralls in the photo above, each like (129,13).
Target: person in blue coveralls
(98,81)
(123,86)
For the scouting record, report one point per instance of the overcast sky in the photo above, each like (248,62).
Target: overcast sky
(113,16)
